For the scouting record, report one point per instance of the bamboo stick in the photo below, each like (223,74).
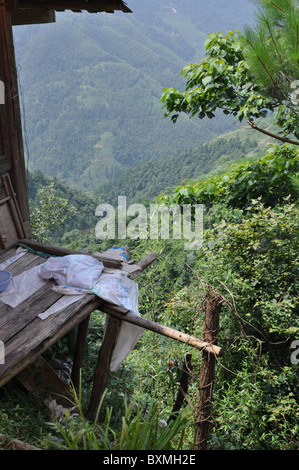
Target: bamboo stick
(122,314)
(15,444)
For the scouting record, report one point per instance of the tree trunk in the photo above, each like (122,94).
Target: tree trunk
(183,388)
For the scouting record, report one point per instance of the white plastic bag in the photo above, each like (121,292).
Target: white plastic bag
(120,290)
(73,270)
(22,286)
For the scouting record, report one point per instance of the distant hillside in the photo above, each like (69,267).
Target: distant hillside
(151,178)
(91,84)
(145,182)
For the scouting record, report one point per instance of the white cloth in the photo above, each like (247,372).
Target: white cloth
(120,290)
(19,253)
(61,304)
(25,285)
(127,339)
(22,287)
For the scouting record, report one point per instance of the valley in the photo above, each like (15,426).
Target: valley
(91,84)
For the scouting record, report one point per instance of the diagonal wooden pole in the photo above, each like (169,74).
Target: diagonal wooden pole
(118,313)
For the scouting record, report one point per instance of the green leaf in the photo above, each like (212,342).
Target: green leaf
(207,80)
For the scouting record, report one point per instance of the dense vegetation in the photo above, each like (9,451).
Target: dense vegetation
(249,256)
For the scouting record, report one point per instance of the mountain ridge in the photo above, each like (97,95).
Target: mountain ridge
(150,178)
(91,86)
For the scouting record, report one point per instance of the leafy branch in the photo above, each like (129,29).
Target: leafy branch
(239,76)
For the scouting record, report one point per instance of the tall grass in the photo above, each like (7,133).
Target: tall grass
(138,430)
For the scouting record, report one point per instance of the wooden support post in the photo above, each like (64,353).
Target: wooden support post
(79,351)
(103,365)
(212,307)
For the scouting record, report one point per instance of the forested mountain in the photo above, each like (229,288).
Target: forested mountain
(91,84)
(143,183)
(152,177)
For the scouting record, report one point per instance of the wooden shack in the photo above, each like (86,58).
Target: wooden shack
(24,337)
(12,162)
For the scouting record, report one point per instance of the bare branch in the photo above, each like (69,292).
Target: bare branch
(270,134)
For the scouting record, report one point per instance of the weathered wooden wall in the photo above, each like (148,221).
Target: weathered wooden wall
(12,159)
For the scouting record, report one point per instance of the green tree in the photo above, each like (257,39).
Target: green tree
(272,51)
(271,179)
(49,212)
(272,47)
(229,79)
(253,263)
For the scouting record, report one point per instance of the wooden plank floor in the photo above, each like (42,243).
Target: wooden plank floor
(24,334)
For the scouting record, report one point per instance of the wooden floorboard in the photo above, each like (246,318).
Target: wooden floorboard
(24,263)
(4,255)
(27,261)
(23,333)
(6,312)
(20,317)
(25,348)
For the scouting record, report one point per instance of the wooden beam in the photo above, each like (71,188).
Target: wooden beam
(61,251)
(5,159)
(149,259)
(40,377)
(32,16)
(14,208)
(77,5)
(11,4)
